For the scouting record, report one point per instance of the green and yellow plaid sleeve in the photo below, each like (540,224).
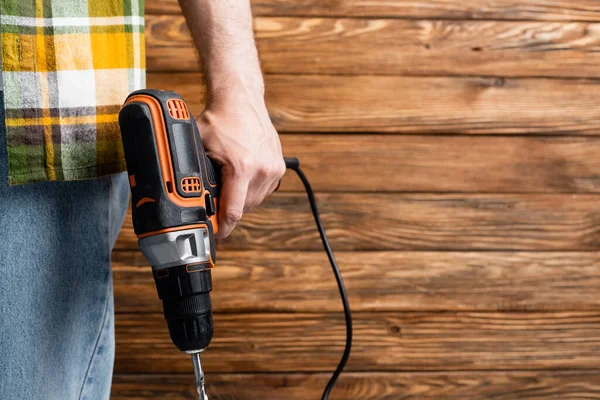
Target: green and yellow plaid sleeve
(67,66)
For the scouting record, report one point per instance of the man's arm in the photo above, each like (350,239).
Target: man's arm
(235,125)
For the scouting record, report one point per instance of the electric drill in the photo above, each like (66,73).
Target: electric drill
(174,198)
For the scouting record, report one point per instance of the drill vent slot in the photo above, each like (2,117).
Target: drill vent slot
(178,109)
(191,185)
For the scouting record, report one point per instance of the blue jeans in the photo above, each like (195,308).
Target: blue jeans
(56,295)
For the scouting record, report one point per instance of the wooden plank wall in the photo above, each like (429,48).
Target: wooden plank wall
(454,148)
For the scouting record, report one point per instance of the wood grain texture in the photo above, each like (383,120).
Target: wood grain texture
(380,281)
(383,342)
(417,222)
(551,10)
(396,163)
(392,163)
(397,47)
(578,385)
(439,105)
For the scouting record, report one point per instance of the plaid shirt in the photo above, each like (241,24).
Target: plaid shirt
(67,67)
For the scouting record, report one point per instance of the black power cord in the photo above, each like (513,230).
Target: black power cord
(294,164)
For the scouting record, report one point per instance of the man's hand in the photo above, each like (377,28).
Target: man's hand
(235,125)
(239,136)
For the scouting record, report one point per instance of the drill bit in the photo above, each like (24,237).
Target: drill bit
(199,376)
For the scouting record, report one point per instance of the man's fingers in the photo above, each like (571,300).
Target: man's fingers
(261,187)
(257,192)
(231,205)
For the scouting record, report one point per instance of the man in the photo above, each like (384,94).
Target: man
(67,66)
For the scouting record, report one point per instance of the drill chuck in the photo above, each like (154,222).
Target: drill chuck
(187,306)
(192,332)
(181,267)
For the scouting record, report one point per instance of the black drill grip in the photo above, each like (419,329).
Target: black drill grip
(173,182)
